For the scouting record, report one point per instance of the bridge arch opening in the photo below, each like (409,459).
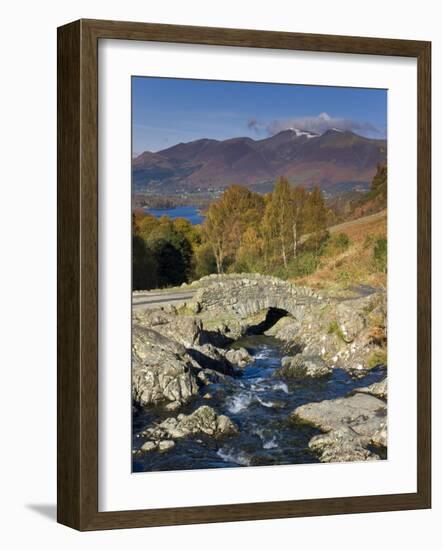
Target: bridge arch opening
(273,315)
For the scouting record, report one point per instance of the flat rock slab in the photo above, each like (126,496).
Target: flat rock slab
(351,425)
(364,413)
(378,389)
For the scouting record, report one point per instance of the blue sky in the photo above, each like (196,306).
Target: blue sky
(167,111)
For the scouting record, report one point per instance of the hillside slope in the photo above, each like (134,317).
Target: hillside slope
(355,266)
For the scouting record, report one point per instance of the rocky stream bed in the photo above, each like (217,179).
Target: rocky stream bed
(255,371)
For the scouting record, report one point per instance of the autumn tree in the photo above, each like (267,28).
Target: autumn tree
(137,217)
(243,210)
(187,229)
(205,262)
(215,231)
(297,200)
(268,233)
(278,221)
(164,244)
(237,210)
(380,254)
(315,216)
(242,231)
(251,249)
(379,182)
(146,225)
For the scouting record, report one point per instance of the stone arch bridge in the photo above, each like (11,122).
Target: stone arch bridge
(247,294)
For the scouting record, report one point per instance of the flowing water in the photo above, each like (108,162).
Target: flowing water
(260,404)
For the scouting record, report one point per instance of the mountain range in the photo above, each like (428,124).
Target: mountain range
(335,160)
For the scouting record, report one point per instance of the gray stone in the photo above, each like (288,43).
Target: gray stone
(380,437)
(378,389)
(210,376)
(239,357)
(229,305)
(363,413)
(154,384)
(166,445)
(202,421)
(211,357)
(175,354)
(184,329)
(148,446)
(317,332)
(284,329)
(350,321)
(162,371)
(146,343)
(245,294)
(173,405)
(340,445)
(160,446)
(302,366)
(351,425)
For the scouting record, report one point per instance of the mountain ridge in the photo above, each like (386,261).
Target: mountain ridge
(305,158)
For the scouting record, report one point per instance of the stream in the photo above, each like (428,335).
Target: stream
(260,404)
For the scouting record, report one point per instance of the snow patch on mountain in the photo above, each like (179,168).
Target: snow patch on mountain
(300,133)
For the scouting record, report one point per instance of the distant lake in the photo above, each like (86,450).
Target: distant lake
(190,213)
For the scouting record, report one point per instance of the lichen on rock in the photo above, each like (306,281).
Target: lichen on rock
(162,371)
(204,420)
(303,366)
(351,424)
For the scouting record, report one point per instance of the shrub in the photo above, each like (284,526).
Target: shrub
(342,241)
(336,244)
(204,261)
(305,264)
(368,241)
(377,358)
(316,242)
(380,254)
(334,328)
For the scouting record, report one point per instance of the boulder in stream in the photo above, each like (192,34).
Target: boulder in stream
(204,420)
(162,371)
(303,366)
(351,425)
(239,357)
(378,389)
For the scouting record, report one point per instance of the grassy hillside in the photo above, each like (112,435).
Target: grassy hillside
(362,263)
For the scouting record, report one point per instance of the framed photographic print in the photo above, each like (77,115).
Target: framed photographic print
(234,280)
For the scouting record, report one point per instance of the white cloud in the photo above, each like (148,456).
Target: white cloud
(320,124)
